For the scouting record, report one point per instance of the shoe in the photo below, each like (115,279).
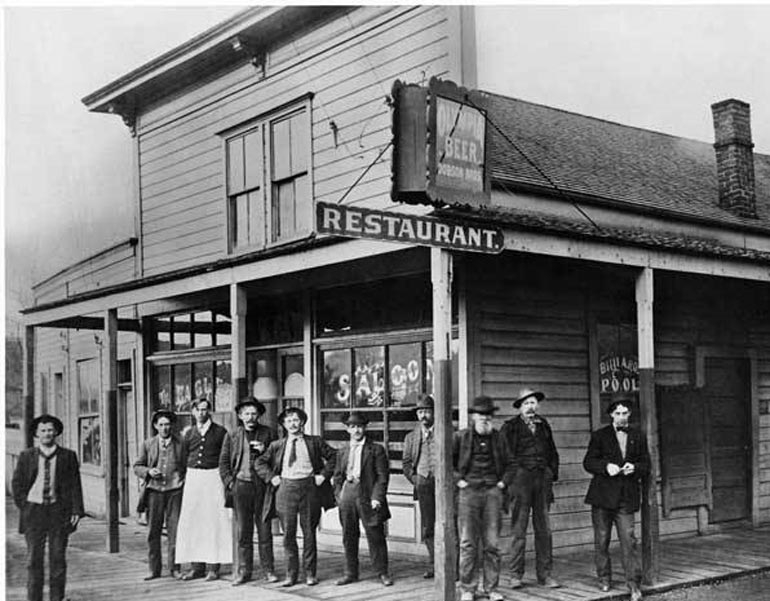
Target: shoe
(495,596)
(516,582)
(242,579)
(192,575)
(549,583)
(212,575)
(636,593)
(386,580)
(428,574)
(311,580)
(346,580)
(604,586)
(152,576)
(466,596)
(271,577)
(176,574)
(289,582)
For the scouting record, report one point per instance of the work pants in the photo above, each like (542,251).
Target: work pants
(46,522)
(162,506)
(352,509)
(603,520)
(299,499)
(248,498)
(532,494)
(478,517)
(426,498)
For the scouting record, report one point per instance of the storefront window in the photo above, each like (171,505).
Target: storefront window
(89,419)
(618,369)
(182,388)
(369,377)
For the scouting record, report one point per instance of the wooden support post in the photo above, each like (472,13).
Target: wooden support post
(110,421)
(238,370)
(645,337)
(28,408)
(445,544)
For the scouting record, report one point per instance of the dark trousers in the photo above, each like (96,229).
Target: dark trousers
(352,509)
(603,519)
(162,506)
(532,490)
(248,498)
(426,498)
(478,517)
(299,499)
(46,522)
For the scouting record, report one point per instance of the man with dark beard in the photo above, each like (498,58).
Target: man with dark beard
(418,461)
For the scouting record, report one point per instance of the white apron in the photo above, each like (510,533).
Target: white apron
(205,531)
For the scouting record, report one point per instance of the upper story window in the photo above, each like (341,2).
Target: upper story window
(268,180)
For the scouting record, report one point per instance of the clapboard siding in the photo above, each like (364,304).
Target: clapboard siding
(348,64)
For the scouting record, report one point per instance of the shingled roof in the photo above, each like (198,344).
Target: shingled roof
(613,163)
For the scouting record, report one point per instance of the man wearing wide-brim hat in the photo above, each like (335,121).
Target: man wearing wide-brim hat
(298,469)
(161,466)
(246,489)
(419,463)
(529,440)
(361,476)
(483,471)
(47,490)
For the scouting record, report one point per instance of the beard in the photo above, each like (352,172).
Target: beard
(483,428)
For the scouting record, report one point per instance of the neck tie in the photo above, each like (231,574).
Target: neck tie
(531,425)
(47,479)
(293,452)
(622,429)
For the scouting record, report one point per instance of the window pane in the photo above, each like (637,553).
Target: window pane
(240,217)
(88,386)
(336,379)
(203,380)
(223,388)
(223,328)
(163,334)
(281,138)
(256,219)
(162,398)
(235,171)
(303,209)
(253,160)
(293,369)
(182,390)
(182,332)
(299,142)
(90,440)
(405,373)
(283,210)
(204,334)
(369,378)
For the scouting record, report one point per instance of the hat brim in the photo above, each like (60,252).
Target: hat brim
(256,404)
(57,423)
(536,393)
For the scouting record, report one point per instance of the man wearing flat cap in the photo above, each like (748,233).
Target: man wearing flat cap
(360,478)
(482,471)
(47,491)
(247,490)
(298,469)
(529,439)
(419,462)
(161,465)
(618,458)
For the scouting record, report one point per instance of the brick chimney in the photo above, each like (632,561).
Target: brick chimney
(735,159)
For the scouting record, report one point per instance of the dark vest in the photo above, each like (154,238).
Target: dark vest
(203,451)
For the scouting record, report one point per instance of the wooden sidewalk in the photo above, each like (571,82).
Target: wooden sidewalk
(94,575)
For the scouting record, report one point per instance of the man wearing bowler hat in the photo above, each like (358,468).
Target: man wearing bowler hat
(161,465)
(47,491)
(618,458)
(298,469)
(247,490)
(529,439)
(482,472)
(419,462)
(360,478)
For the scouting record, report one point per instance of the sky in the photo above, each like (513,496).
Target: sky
(68,181)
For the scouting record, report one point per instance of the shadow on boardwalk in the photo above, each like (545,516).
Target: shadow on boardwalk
(95,575)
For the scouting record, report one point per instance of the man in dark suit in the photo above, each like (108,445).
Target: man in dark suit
(247,490)
(529,439)
(418,462)
(361,478)
(299,469)
(161,465)
(618,459)
(47,491)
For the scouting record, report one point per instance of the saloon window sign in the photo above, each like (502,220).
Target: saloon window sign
(343,220)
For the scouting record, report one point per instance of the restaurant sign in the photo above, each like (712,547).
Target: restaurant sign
(342,220)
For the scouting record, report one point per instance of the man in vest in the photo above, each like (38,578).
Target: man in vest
(418,461)
(47,491)
(618,458)
(361,476)
(247,490)
(529,440)
(299,469)
(205,536)
(482,471)
(161,465)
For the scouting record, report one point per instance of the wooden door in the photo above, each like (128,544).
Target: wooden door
(727,394)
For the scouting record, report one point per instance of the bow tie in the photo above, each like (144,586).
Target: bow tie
(621,429)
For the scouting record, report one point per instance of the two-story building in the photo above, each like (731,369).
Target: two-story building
(633,264)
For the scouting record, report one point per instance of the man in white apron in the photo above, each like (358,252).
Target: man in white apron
(204,534)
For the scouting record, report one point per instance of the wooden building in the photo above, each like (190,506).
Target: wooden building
(634,264)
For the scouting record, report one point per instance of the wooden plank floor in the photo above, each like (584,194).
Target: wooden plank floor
(95,575)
